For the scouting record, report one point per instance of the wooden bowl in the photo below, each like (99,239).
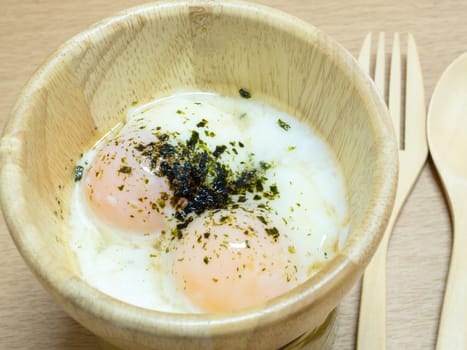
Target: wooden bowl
(87,85)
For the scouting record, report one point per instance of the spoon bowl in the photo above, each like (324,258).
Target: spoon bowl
(446,132)
(448,122)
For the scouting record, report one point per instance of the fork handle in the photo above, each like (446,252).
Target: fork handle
(452,332)
(372,317)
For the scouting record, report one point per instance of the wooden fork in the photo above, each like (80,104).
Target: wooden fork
(409,125)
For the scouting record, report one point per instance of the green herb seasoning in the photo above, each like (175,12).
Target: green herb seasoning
(265,166)
(273,232)
(202,123)
(125,169)
(244,93)
(198,179)
(283,124)
(219,150)
(79,170)
(262,219)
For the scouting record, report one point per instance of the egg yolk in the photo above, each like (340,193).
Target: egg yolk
(122,191)
(229,260)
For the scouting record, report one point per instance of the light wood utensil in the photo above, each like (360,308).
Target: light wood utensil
(447,137)
(409,125)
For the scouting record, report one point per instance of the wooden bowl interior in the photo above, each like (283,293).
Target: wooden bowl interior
(87,86)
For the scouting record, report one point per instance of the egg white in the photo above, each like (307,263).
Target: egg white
(311,201)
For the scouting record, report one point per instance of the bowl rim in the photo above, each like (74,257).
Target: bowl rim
(324,283)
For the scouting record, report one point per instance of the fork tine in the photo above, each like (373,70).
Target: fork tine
(372,319)
(364,58)
(415,101)
(395,90)
(380,66)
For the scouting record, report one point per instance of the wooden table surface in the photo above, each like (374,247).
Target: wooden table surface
(419,250)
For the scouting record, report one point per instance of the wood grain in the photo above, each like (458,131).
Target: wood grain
(420,245)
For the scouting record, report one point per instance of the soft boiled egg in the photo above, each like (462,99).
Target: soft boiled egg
(206,203)
(121,189)
(233,259)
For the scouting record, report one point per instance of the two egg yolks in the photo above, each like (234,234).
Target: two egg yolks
(219,265)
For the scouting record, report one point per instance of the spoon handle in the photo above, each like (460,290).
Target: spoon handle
(452,332)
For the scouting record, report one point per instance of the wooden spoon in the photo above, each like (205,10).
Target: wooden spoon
(447,139)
